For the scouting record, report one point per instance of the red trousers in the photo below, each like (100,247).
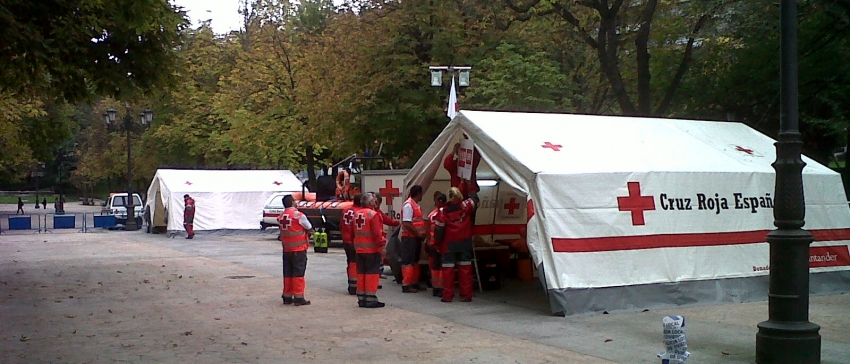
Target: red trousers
(368,276)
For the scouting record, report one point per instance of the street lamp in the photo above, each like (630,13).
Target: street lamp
(145,118)
(37,172)
(463,81)
(788,336)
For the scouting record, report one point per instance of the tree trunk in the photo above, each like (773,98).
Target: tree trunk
(311,167)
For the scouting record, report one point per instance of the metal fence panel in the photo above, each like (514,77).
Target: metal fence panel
(65,221)
(20,223)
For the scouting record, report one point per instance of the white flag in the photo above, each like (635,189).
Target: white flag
(453,108)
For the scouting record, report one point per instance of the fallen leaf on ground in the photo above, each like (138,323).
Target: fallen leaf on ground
(608,340)
(724,353)
(24,338)
(187,333)
(244,343)
(70,316)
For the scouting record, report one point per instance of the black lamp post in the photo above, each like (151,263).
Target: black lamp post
(788,336)
(144,118)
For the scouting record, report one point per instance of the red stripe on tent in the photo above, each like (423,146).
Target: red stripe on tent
(829,256)
(500,229)
(580,245)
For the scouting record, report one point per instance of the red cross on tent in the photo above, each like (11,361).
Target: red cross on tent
(360,220)
(188,183)
(635,203)
(277,183)
(285,222)
(388,191)
(555,147)
(348,217)
(745,150)
(511,206)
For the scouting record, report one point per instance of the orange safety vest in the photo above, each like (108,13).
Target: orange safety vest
(366,240)
(418,220)
(293,236)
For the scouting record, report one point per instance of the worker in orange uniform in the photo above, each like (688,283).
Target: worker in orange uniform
(294,231)
(346,229)
(385,219)
(189,216)
(454,238)
(434,256)
(412,235)
(368,242)
(343,183)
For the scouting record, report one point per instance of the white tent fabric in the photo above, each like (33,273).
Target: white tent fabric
(618,202)
(224,199)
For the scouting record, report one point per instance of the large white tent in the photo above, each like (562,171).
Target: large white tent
(224,199)
(628,213)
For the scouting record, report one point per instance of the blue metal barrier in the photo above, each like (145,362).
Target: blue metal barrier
(20,223)
(64,221)
(103,221)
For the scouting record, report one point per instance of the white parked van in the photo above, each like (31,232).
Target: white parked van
(116,205)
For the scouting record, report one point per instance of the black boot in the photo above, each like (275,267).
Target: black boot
(300,302)
(438,292)
(409,289)
(373,304)
(286,300)
(352,290)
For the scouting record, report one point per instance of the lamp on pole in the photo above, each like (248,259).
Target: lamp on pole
(788,336)
(37,172)
(144,118)
(463,81)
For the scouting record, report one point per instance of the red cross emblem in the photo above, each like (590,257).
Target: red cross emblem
(348,217)
(555,147)
(745,150)
(188,183)
(388,191)
(285,221)
(277,183)
(511,206)
(360,221)
(635,203)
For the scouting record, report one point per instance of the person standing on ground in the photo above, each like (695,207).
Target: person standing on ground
(454,238)
(295,229)
(20,207)
(44,203)
(346,229)
(434,256)
(412,235)
(368,241)
(189,216)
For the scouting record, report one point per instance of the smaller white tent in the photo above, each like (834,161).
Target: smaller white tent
(224,199)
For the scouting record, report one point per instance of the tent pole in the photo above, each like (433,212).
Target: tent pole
(495,211)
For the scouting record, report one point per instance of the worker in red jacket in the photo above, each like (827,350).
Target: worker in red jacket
(294,237)
(454,239)
(385,219)
(434,255)
(368,242)
(346,229)
(450,164)
(412,235)
(343,183)
(188,216)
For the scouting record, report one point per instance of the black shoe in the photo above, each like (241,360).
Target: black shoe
(286,300)
(361,303)
(380,286)
(300,302)
(189,237)
(409,289)
(444,300)
(352,290)
(438,292)
(373,304)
